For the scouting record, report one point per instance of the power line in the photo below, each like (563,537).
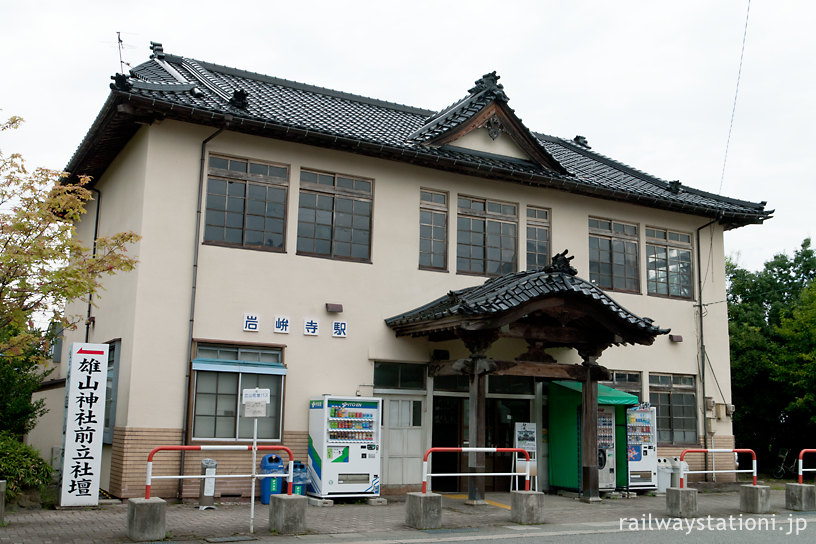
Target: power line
(736,93)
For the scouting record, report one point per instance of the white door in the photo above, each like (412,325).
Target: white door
(402,440)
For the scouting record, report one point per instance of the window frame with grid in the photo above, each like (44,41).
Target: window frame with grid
(673,271)
(538,237)
(611,267)
(478,244)
(628,381)
(246,202)
(433,230)
(217,414)
(675,397)
(335,216)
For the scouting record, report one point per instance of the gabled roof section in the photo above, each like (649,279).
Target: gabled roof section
(521,293)
(484,107)
(173,87)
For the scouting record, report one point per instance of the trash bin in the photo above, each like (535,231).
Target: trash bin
(664,474)
(300,478)
(272,464)
(206,491)
(676,465)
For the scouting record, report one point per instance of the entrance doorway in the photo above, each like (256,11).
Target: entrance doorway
(450,429)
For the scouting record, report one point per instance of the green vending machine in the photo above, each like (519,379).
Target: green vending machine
(564,404)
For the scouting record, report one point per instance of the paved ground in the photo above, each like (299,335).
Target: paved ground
(363,523)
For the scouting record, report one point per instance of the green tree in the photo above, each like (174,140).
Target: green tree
(43,267)
(768,385)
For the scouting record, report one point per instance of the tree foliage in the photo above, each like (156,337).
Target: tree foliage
(43,265)
(772,326)
(21,466)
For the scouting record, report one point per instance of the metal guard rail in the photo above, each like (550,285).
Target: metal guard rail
(425,474)
(217,448)
(739,450)
(801,463)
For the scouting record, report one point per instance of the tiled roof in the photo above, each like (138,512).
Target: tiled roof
(169,86)
(504,293)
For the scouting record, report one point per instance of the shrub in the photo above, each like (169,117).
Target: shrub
(21,466)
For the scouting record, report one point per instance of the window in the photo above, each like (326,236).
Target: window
(404,413)
(675,398)
(433,230)
(334,216)
(246,203)
(221,373)
(399,376)
(613,255)
(628,382)
(486,237)
(111,390)
(538,237)
(668,263)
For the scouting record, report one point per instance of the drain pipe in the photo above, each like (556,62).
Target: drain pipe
(702,333)
(201,172)
(89,318)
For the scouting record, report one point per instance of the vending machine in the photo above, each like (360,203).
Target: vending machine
(606,448)
(641,451)
(344,446)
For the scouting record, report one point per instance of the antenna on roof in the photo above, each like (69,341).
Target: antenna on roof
(121,45)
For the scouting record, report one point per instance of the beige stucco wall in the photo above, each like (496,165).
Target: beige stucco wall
(480,140)
(152,188)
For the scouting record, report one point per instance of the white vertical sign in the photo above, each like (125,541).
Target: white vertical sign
(84,423)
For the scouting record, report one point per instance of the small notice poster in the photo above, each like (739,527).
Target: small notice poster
(525,437)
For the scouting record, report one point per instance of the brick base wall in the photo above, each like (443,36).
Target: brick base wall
(131,447)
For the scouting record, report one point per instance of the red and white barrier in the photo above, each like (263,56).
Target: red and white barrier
(150,476)
(526,473)
(683,473)
(801,464)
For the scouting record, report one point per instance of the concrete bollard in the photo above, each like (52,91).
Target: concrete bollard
(146,519)
(800,497)
(681,502)
(755,499)
(287,514)
(527,507)
(423,510)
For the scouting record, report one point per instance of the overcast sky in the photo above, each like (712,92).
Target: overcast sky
(649,83)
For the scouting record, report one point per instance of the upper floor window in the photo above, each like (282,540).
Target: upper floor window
(613,255)
(538,237)
(246,203)
(486,237)
(433,230)
(668,263)
(334,216)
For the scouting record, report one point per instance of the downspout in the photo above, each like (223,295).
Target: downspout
(702,334)
(201,172)
(89,318)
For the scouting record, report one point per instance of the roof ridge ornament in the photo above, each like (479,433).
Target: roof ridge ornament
(240,99)
(121,83)
(490,83)
(158,50)
(560,263)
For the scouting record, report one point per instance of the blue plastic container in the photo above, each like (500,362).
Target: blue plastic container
(300,478)
(272,464)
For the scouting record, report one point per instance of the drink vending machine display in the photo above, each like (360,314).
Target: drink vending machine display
(344,446)
(641,452)
(606,447)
